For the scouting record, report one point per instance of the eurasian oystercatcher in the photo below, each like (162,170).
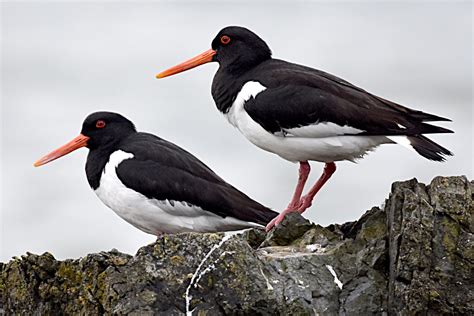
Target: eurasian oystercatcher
(155,185)
(302,114)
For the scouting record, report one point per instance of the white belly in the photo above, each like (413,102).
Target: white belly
(306,143)
(155,216)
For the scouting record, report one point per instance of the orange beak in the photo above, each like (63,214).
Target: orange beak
(200,59)
(76,143)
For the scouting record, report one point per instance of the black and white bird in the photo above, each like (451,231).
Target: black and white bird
(303,114)
(155,185)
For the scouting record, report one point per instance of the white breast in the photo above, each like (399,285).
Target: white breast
(249,90)
(156,216)
(323,142)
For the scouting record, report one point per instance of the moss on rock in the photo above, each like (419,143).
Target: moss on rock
(414,256)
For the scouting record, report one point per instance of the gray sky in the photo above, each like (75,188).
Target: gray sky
(62,61)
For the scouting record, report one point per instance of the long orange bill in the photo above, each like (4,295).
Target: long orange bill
(76,143)
(200,59)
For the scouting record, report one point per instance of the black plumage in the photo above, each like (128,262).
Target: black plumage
(151,175)
(163,171)
(303,114)
(298,96)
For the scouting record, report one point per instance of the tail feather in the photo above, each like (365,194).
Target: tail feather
(414,114)
(245,208)
(428,148)
(264,215)
(424,128)
(427,117)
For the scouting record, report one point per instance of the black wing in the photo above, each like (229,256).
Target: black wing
(164,171)
(298,96)
(153,148)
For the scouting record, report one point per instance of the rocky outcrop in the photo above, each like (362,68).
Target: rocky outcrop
(413,256)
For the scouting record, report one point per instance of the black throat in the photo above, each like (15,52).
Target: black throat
(225,87)
(96,161)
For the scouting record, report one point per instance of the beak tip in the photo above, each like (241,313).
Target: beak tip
(158,76)
(76,143)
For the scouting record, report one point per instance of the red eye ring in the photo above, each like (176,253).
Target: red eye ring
(225,39)
(100,124)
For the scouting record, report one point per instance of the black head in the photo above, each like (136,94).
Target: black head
(105,129)
(100,130)
(235,48)
(238,48)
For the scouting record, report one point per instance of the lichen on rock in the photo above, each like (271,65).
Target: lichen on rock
(414,256)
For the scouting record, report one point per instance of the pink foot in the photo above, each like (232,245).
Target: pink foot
(295,201)
(305,203)
(274,222)
(278,219)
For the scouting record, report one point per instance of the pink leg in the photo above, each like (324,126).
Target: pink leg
(295,201)
(303,176)
(306,200)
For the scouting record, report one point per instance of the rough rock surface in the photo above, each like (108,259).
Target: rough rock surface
(414,256)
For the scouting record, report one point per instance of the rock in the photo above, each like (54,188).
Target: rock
(414,256)
(431,248)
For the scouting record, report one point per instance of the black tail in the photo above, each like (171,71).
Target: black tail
(264,215)
(428,148)
(424,128)
(252,211)
(427,117)
(244,208)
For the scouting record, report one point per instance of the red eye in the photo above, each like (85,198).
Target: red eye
(225,39)
(100,124)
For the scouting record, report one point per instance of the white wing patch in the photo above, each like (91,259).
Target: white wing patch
(402,140)
(323,129)
(303,145)
(155,216)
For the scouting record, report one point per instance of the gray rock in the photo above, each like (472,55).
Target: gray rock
(415,256)
(431,249)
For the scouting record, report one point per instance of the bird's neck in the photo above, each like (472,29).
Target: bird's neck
(225,88)
(96,161)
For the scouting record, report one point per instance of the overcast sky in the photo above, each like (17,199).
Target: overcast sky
(62,61)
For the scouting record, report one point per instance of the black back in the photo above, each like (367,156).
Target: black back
(163,171)
(297,95)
